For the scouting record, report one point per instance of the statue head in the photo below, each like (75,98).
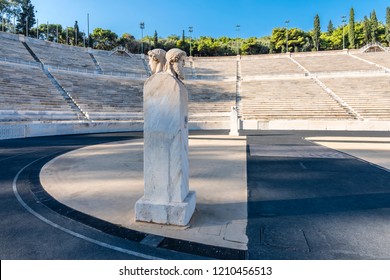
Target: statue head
(157,60)
(175,63)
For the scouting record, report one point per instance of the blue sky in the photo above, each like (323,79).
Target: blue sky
(208,17)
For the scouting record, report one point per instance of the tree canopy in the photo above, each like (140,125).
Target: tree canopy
(356,34)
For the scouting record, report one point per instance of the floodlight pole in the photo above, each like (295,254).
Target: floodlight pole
(142,26)
(37,25)
(88,29)
(190,29)
(238,36)
(27,26)
(344,21)
(287,22)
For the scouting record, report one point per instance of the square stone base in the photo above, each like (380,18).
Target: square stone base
(169,214)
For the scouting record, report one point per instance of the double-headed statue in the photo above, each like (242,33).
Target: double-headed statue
(171,62)
(167,199)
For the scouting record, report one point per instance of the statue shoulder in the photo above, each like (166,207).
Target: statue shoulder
(162,77)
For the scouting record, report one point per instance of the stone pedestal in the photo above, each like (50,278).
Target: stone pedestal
(166,199)
(234,122)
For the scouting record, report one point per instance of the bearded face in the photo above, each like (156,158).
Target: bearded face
(153,64)
(178,67)
(156,60)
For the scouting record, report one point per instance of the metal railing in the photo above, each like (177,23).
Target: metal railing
(95,72)
(19,61)
(373,44)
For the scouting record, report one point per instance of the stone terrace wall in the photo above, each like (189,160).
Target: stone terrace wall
(268,88)
(296,98)
(334,62)
(27,95)
(101,96)
(11,49)
(369,96)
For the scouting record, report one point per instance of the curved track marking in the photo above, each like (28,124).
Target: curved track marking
(75,234)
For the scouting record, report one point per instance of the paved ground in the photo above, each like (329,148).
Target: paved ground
(304,202)
(106,181)
(309,202)
(29,229)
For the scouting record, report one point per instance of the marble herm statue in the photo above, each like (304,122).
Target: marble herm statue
(167,199)
(157,60)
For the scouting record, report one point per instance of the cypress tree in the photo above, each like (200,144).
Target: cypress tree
(388,25)
(367,30)
(374,27)
(155,39)
(317,32)
(330,28)
(351,34)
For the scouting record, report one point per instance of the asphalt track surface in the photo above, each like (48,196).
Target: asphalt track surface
(31,230)
(298,207)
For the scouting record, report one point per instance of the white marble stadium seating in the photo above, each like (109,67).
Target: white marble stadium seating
(265,87)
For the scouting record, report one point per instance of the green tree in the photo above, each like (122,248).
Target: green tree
(351,33)
(317,32)
(3,7)
(104,39)
(367,30)
(387,33)
(9,9)
(330,27)
(255,45)
(129,42)
(181,44)
(359,34)
(48,32)
(183,37)
(297,39)
(26,19)
(155,39)
(374,26)
(278,39)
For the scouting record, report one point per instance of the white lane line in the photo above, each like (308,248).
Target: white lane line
(75,234)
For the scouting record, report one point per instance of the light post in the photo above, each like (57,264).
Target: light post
(27,26)
(287,22)
(238,36)
(142,26)
(37,25)
(344,21)
(190,29)
(88,30)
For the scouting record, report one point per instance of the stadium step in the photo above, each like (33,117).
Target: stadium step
(31,52)
(67,97)
(97,65)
